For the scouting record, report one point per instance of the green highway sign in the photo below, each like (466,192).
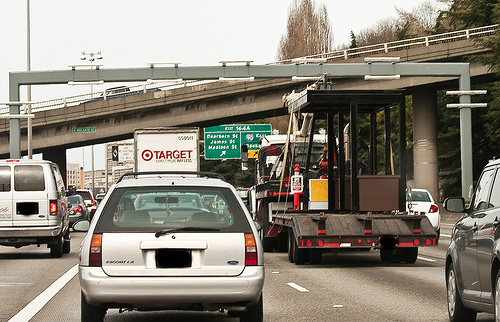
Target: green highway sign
(225,141)
(83,129)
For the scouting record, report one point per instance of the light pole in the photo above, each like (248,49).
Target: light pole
(28,67)
(91,57)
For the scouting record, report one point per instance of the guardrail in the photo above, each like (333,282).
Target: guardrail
(331,56)
(103,95)
(385,48)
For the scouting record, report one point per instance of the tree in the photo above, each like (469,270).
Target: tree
(408,24)
(465,14)
(308,31)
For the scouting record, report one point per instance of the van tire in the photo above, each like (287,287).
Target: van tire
(67,243)
(57,249)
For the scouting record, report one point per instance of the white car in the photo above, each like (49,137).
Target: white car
(153,245)
(421,203)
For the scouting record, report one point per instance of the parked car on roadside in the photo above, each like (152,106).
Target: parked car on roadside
(77,209)
(153,245)
(473,256)
(422,203)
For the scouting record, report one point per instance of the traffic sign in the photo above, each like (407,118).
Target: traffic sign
(83,129)
(225,141)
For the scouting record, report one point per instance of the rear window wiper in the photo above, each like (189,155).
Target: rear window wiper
(173,230)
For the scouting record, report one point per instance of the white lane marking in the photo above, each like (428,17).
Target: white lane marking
(298,287)
(338,306)
(39,302)
(426,259)
(446,235)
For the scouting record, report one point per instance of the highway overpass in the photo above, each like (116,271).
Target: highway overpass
(223,102)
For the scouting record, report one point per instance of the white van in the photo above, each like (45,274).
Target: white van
(33,205)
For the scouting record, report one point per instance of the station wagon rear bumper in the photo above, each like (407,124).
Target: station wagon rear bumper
(172,292)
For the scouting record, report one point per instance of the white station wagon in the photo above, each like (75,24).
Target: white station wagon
(153,244)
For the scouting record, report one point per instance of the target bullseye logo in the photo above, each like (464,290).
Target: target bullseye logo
(147,155)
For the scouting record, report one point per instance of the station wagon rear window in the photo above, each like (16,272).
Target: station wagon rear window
(29,178)
(151,209)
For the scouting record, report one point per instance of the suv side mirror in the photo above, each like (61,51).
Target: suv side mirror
(454,204)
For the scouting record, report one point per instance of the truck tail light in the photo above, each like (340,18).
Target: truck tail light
(433,209)
(95,255)
(250,250)
(53,207)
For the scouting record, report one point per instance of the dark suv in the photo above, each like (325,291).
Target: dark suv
(473,257)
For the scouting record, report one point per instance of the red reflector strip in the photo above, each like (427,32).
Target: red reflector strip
(406,244)
(368,231)
(417,230)
(322,231)
(332,245)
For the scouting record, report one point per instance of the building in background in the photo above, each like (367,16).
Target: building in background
(119,160)
(74,175)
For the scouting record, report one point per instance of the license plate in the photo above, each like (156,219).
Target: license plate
(173,258)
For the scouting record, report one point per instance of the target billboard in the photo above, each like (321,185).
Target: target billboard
(166,149)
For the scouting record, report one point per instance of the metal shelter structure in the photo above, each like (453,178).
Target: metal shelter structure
(374,68)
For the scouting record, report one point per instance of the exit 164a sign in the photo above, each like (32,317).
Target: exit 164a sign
(225,141)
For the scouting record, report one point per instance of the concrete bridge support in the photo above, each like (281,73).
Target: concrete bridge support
(425,153)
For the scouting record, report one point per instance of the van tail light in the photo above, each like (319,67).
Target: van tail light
(95,256)
(433,209)
(250,250)
(94,203)
(53,207)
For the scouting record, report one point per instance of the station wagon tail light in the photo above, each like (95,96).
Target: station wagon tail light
(250,250)
(95,256)
(433,209)
(53,207)
(77,209)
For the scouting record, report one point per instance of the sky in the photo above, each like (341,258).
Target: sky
(132,33)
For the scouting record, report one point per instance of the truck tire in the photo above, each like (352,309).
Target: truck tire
(456,309)
(316,256)
(91,313)
(410,254)
(57,249)
(299,255)
(268,243)
(393,255)
(291,245)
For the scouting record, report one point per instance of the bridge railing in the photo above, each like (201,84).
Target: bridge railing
(385,48)
(331,56)
(103,95)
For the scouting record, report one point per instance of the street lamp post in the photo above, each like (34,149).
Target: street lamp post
(91,57)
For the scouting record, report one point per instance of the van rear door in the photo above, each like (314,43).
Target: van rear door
(30,199)
(6,209)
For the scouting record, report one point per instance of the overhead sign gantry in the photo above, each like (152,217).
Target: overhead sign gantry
(375,68)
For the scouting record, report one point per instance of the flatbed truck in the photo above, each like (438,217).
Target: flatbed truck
(356,202)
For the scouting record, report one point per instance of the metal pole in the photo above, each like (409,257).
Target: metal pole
(466,136)
(28,54)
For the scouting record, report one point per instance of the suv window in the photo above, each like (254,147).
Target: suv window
(5,178)
(154,208)
(495,193)
(482,191)
(29,178)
